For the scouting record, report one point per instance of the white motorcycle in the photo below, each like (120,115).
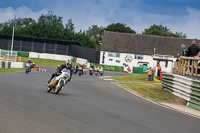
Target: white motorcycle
(58,82)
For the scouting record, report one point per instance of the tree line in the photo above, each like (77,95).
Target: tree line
(50,26)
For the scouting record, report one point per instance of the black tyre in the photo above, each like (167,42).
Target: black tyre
(49,89)
(79,74)
(27,70)
(57,90)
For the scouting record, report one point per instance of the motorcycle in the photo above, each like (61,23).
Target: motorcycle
(80,71)
(96,71)
(91,71)
(58,82)
(101,72)
(75,70)
(28,68)
(84,71)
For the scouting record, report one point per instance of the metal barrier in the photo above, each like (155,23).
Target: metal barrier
(188,66)
(184,88)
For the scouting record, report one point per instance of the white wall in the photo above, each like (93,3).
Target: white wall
(134,62)
(56,57)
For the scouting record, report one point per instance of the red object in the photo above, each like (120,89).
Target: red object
(161,75)
(37,69)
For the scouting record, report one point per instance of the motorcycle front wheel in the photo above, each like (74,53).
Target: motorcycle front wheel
(57,90)
(49,89)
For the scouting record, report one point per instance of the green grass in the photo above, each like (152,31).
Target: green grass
(9,70)
(149,89)
(43,62)
(39,62)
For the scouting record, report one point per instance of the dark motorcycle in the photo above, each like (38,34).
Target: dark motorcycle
(91,71)
(28,68)
(75,70)
(80,71)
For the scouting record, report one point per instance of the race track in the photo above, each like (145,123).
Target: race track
(86,105)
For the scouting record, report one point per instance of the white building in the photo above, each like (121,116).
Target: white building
(123,49)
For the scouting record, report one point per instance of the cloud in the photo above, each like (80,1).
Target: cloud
(22,12)
(85,13)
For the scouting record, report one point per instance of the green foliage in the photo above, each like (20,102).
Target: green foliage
(118,27)
(160,30)
(50,26)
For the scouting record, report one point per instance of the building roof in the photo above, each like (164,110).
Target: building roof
(142,44)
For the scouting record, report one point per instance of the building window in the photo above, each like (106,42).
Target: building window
(139,57)
(112,54)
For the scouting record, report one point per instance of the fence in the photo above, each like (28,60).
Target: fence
(184,88)
(8,56)
(188,66)
(70,48)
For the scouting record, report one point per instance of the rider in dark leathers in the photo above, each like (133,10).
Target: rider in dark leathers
(66,65)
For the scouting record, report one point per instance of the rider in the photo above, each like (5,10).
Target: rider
(29,61)
(75,68)
(67,65)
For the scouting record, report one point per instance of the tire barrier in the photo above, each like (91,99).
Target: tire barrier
(184,88)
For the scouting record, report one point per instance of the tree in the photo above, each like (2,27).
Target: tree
(118,27)
(69,31)
(160,30)
(96,34)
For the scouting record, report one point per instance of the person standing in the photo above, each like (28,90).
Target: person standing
(128,70)
(159,68)
(149,74)
(193,50)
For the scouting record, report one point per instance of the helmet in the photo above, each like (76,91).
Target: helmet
(29,59)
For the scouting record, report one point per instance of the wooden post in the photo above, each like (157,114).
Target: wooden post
(192,73)
(184,67)
(181,66)
(196,67)
(188,67)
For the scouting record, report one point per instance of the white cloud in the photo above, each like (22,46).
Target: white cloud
(22,12)
(102,13)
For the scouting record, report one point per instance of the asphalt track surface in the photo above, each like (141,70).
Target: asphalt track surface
(86,105)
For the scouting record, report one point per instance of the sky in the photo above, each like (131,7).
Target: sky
(177,15)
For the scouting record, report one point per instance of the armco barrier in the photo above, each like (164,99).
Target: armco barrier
(195,95)
(184,88)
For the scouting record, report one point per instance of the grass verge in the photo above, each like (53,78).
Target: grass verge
(9,70)
(148,89)
(43,62)
(39,62)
